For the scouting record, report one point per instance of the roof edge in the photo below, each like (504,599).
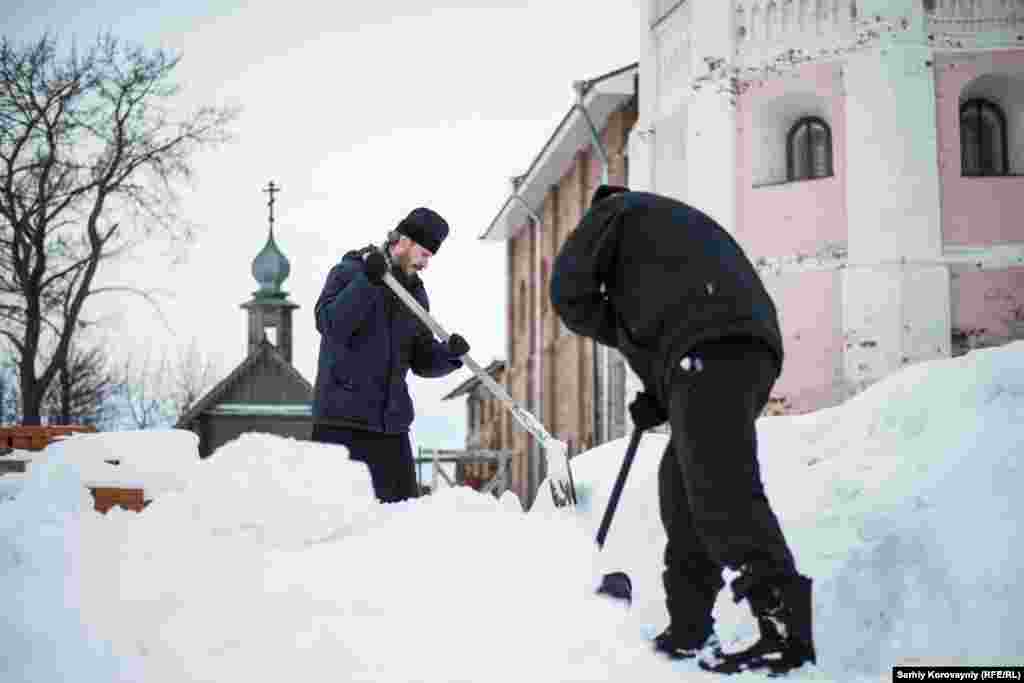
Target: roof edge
(589,89)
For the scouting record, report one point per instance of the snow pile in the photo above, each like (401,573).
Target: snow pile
(902,504)
(157,461)
(276,491)
(42,634)
(912,528)
(271,559)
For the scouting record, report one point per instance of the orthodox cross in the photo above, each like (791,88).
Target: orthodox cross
(271,189)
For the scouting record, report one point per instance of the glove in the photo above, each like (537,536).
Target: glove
(458,346)
(646,411)
(376,265)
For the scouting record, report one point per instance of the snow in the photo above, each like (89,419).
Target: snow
(271,560)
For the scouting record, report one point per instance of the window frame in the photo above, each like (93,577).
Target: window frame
(985,146)
(808,121)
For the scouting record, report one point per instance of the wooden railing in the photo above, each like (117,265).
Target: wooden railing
(498,484)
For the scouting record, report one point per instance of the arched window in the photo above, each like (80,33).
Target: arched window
(983,146)
(809,149)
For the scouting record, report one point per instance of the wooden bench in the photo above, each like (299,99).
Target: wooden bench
(36,438)
(106,497)
(28,438)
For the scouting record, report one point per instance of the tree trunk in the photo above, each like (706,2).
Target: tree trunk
(65,397)
(31,401)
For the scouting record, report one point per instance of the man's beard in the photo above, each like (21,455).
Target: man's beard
(406,265)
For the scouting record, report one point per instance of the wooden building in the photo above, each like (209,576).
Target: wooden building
(576,387)
(487,425)
(265,393)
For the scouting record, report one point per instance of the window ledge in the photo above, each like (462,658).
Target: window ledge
(777,183)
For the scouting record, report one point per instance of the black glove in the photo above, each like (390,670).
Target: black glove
(376,265)
(646,411)
(458,346)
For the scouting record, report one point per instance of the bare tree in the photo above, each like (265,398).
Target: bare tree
(89,159)
(82,390)
(8,392)
(143,391)
(193,375)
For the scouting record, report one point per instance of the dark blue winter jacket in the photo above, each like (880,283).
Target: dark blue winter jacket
(369,340)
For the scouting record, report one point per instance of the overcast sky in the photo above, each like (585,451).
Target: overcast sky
(359,112)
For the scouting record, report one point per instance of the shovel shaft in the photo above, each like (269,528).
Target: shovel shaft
(524,418)
(563,492)
(620,482)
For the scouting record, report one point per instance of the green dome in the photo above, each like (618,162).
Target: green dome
(270,268)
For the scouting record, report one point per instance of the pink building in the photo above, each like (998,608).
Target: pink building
(868,155)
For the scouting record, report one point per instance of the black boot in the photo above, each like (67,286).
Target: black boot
(687,645)
(783,613)
(691,628)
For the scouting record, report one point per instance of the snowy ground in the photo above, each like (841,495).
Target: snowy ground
(271,561)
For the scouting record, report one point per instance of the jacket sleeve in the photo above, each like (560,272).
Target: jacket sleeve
(345,303)
(580,271)
(430,358)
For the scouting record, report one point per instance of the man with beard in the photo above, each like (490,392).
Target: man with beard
(369,341)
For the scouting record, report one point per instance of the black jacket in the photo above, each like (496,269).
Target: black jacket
(369,341)
(654,277)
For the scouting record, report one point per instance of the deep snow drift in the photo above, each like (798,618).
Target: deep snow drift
(271,560)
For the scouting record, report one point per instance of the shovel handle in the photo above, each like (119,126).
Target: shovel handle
(620,482)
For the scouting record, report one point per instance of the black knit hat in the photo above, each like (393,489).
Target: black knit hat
(424,227)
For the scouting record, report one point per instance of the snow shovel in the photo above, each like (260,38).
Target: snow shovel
(617,584)
(559,477)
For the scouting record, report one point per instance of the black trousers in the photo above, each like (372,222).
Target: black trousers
(712,500)
(388,456)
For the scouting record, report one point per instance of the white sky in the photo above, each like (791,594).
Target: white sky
(271,562)
(360,112)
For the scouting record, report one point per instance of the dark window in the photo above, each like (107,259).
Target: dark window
(523,303)
(983,146)
(809,149)
(545,295)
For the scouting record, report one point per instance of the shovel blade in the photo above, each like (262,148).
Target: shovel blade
(618,586)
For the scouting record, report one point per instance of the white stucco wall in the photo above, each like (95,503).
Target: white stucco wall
(711,130)
(893,313)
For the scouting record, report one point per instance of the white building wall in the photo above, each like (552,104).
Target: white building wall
(670,56)
(895,289)
(896,297)
(711,129)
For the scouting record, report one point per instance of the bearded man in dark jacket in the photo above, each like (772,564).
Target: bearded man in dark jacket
(670,288)
(369,340)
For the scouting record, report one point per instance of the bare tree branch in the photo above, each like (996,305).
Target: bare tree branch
(90,157)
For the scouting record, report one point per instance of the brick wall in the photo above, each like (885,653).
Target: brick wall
(566,360)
